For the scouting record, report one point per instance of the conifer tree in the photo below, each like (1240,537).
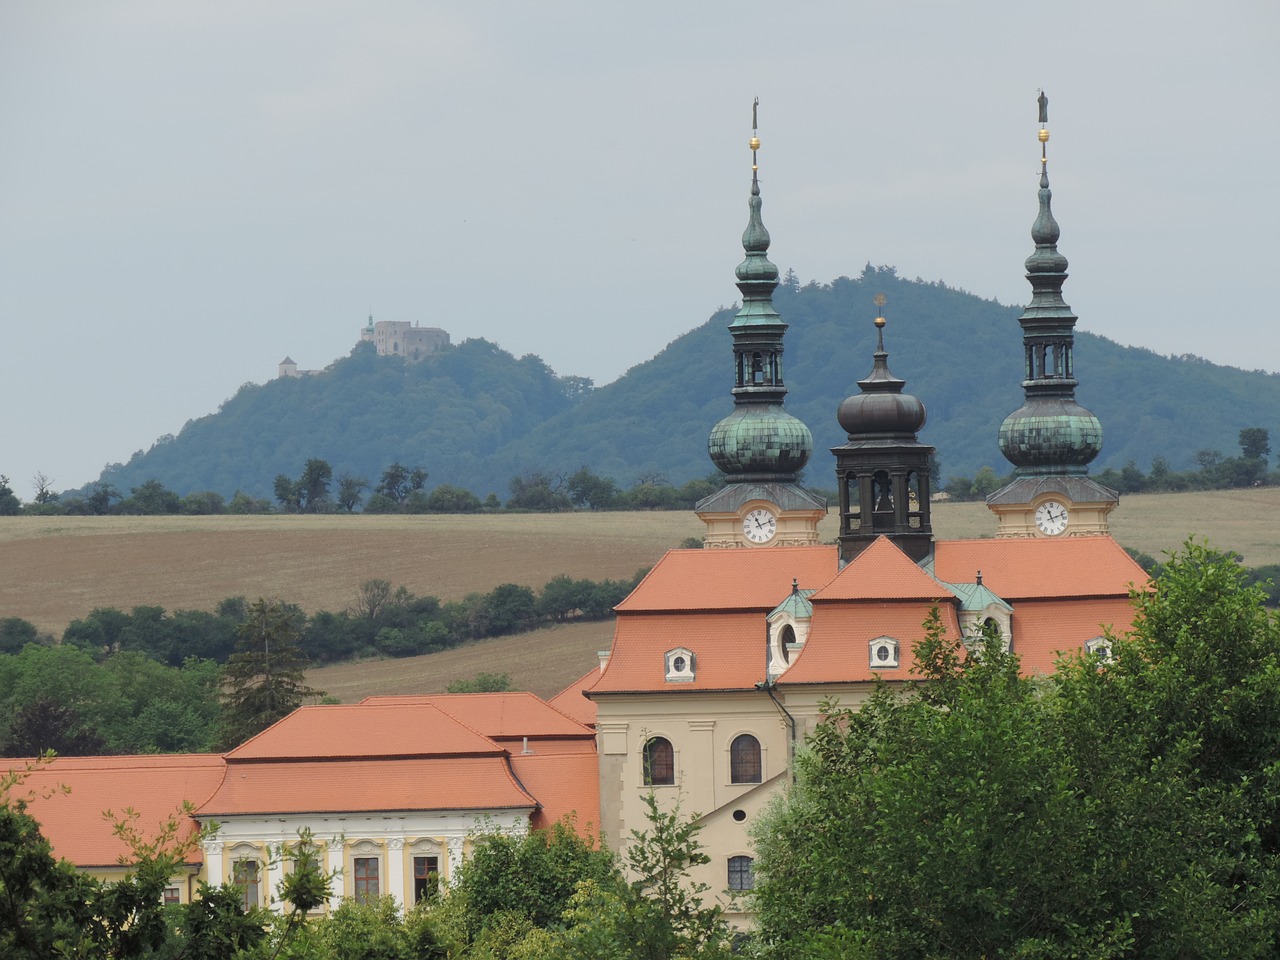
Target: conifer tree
(263,680)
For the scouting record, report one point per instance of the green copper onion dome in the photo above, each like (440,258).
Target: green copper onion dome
(758,441)
(1050,433)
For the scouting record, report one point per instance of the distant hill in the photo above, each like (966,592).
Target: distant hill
(475,416)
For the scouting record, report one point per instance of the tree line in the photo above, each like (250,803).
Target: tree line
(399,489)
(1213,472)
(151,681)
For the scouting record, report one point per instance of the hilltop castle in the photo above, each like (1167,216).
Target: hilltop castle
(391,338)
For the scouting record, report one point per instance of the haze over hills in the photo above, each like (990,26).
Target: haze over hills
(474,416)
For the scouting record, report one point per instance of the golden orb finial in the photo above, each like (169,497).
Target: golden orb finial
(754,144)
(878,299)
(1044,135)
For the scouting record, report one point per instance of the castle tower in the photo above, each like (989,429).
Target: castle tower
(883,471)
(759,447)
(1050,439)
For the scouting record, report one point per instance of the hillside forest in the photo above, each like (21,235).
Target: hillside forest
(476,417)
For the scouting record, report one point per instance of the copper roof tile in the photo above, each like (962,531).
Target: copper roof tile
(882,572)
(1019,567)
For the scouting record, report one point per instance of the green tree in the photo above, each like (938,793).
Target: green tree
(264,679)
(449,499)
(532,876)
(398,481)
(350,491)
(482,683)
(151,498)
(1255,443)
(1117,810)
(16,633)
(590,491)
(313,486)
(537,491)
(10,505)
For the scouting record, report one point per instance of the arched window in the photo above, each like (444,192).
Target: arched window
(740,874)
(659,762)
(744,759)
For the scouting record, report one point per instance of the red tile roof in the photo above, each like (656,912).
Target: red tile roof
(1020,567)
(571,702)
(564,784)
(364,786)
(499,716)
(728,649)
(882,572)
(1043,629)
(839,646)
(154,786)
(364,730)
(729,579)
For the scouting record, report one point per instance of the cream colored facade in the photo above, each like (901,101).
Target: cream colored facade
(701,729)
(391,841)
(400,338)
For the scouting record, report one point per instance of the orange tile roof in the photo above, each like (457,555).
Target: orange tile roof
(728,650)
(571,702)
(364,730)
(500,716)
(154,786)
(729,579)
(1043,629)
(1018,567)
(838,649)
(363,786)
(564,784)
(882,572)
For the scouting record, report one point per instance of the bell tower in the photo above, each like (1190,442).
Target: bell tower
(759,447)
(883,471)
(1050,439)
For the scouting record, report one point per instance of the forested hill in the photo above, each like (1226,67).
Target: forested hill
(475,416)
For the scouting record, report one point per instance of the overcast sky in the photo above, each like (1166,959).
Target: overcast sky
(192,189)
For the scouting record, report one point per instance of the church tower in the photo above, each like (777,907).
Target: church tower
(1050,439)
(759,447)
(883,471)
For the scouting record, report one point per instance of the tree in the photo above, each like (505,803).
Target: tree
(152,498)
(398,481)
(449,499)
(537,491)
(1255,443)
(16,633)
(590,491)
(43,487)
(313,486)
(1113,810)
(350,491)
(45,725)
(10,505)
(264,679)
(482,683)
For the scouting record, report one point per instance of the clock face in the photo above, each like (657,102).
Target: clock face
(1051,518)
(759,526)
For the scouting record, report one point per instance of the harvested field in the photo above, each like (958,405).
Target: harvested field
(55,569)
(544,662)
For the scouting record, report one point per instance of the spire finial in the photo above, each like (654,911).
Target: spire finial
(754,144)
(879,301)
(1043,101)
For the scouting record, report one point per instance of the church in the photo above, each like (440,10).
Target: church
(721,658)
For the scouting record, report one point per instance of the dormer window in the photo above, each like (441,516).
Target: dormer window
(1099,647)
(884,653)
(680,665)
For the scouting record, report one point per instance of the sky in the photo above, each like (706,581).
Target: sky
(190,191)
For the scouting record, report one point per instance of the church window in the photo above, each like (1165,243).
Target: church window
(366,870)
(659,762)
(426,877)
(744,759)
(244,874)
(884,653)
(1099,647)
(680,665)
(740,873)
(786,636)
